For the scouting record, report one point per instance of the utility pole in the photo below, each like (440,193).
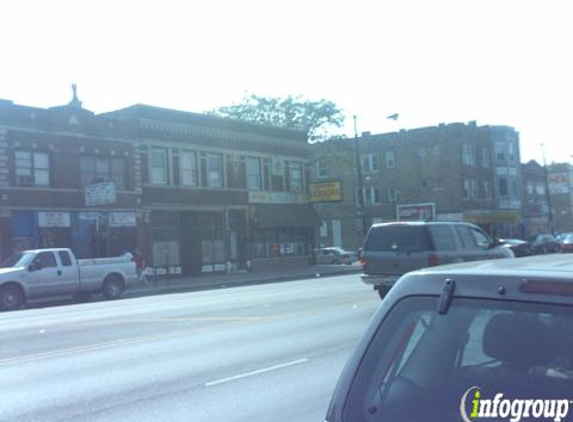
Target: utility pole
(547,194)
(361,204)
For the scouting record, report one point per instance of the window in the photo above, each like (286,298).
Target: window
(95,168)
(371,196)
(321,170)
(473,189)
(392,194)
(514,189)
(324,229)
(511,152)
(369,162)
(390,160)
(188,168)
(437,150)
(485,157)
(295,176)
(481,239)
(32,168)
(468,155)
(487,189)
(502,185)
(46,259)
(65,258)
(215,170)
(466,189)
(443,237)
(500,151)
(422,152)
(466,236)
(159,166)
(254,173)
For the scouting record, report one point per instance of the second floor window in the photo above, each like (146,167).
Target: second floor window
(502,185)
(390,160)
(215,170)
(96,168)
(470,189)
(500,151)
(468,155)
(321,170)
(188,168)
(254,173)
(32,168)
(487,189)
(159,166)
(295,176)
(485,157)
(371,196)
(369,162)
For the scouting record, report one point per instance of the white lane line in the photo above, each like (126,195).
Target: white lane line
(257,372)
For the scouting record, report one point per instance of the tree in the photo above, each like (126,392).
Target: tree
(317,118)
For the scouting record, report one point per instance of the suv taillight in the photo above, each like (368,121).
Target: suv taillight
(433,260)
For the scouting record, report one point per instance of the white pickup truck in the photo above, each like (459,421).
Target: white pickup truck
(43,273)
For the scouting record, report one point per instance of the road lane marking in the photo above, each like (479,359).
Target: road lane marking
(257,372)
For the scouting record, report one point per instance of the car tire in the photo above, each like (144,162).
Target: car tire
(82,297)
(11,297)
(113,287)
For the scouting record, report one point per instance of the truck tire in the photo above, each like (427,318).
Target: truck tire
(11,297)
(113,287)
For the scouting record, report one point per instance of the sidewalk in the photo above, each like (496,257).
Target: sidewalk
(217,281)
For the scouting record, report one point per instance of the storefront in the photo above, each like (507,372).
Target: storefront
(497,223)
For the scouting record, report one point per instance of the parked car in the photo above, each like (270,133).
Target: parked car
(393,249)
(445,338)
(545,243)
(43,273)
(566,245)
(518,246)
(335,255)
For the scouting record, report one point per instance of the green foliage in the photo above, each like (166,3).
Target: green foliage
(316,118)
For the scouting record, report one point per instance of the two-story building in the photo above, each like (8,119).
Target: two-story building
(196,193)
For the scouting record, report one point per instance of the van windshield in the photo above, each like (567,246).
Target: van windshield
(395,237)
(426,367)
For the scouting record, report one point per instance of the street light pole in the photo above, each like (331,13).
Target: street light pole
(547,194)
(360,183)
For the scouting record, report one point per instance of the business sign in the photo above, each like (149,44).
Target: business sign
(325,192)
(100,194)
(122,219)
(258,197)
(53,219)
(416,212)
(558,183)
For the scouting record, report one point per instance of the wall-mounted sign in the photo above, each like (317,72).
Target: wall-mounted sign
(416,212)
(325,192)
(258,197)
(122,219)
(53,219)
(100,194)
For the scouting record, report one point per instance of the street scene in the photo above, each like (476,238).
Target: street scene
(286,211)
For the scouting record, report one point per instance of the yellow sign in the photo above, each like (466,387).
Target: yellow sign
(325,192)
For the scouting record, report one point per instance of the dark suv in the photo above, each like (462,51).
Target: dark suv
(467,341)
(393,249)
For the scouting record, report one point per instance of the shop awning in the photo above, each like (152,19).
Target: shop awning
(286,215)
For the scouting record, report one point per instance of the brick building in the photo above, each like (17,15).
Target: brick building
(535,206)
(458,171)
(560,181)
(196,193)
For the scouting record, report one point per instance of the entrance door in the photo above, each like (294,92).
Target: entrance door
(336,233)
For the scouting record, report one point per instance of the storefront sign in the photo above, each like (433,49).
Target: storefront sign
(89,216)
(122,219)
(325,192)
(558,183)
(100,194)
(277,198)
(492,217)
(53,219)
(416,212)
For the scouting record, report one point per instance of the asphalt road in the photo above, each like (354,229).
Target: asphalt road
(262,353)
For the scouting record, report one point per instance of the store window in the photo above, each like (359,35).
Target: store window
(32,168)
(254,173)
(159,166)
(96,168)
(212,238)
(188,168)
(269,243)
(215,170)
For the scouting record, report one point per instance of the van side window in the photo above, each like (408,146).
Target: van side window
(466,236)
(480,238)
(443,238)
(65,258)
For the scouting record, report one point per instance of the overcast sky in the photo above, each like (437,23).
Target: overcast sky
(498,62)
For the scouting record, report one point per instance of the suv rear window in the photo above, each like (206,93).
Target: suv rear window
(420,364)
(395,237)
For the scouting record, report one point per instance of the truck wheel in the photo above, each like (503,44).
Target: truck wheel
(11,297)
(113,287)
(82,297)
